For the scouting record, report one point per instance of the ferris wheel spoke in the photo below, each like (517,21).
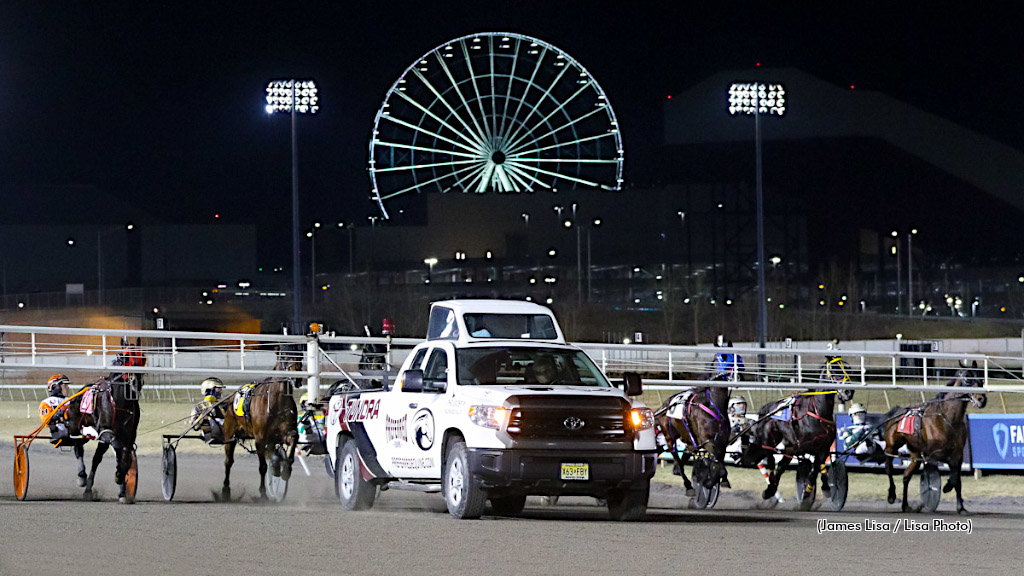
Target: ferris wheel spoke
(470,176)
(516,151)
(477,152)
(431,181)
(469,131)
(422,166)
(559,145)
(505,182)
(426,149)
(462,135)
(557,175)
(546,118)
(508,92)
(516,178)
(526,91)
(558,78)
(485,178)
(479,134)
(513,168)
(570,160)
(476,90)
(494,95)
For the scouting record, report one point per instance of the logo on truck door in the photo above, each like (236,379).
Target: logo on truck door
(423,428)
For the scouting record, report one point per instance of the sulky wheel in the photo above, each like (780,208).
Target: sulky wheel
(169,466)
(838,483)
(931,487)
(703,497)
(21,472)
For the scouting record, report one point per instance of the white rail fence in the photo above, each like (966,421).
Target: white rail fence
(178,361)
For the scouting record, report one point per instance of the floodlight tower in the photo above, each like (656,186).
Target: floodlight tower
(757,99)
(294,97)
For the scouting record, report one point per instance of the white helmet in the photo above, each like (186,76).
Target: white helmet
(737,405)
(211,386)
(858,413)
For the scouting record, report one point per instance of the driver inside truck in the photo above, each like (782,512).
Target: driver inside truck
(544,370)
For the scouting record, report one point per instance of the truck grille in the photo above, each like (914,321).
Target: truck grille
(569,417)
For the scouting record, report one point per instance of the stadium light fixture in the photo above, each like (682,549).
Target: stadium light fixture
(294,97)
(758,99)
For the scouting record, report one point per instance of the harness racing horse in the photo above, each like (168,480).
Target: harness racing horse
(803,424)
(271,420)
(940,436)
(704,429)
(114,415)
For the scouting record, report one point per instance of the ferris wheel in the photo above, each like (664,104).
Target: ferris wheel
(495,112)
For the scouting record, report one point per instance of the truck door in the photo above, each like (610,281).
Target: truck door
(420,454)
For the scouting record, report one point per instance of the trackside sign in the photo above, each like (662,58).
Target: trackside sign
(997,441)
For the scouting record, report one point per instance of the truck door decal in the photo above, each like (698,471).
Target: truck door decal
(423,425)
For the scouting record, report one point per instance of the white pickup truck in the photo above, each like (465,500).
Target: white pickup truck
(494,405)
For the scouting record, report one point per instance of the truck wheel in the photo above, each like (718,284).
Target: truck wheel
(508,505)
(462,493)
(630,504)
(354,492)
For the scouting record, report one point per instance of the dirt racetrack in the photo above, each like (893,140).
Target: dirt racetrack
(409,533)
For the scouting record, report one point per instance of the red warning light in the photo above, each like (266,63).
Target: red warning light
(669,97)
(216,216)
(758,64)
(852,86)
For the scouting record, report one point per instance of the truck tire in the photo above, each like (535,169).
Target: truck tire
(630,504)
(462,493)
(354,492)
(508,505)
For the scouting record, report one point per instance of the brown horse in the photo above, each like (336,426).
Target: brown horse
(271,422)
(115,419)
(705,427)
(941,436)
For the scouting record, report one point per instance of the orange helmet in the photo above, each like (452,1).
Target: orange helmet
(55,385)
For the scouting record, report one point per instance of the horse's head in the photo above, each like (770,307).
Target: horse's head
(968,377)
(845,395)
(289,358)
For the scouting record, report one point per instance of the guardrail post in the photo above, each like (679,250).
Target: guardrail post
(241,354)
(799,369)
(103,357)
(894,371)
(863,372)
(669,365)
(313,369)
(174,352)
(33,348)
(604,361)
(985,364)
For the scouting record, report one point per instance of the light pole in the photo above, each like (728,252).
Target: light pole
(350,250)
(590,290)
(99,257)
(294,97)
(312,261)
(430,270)
(757,99)
(910,271)
(899,272)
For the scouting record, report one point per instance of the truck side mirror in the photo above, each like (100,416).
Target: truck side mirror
(412,381)
(631,382)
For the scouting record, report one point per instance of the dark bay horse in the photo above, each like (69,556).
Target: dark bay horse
(809,429)
(941,436)
(115,419)
(705,426)
(271,421)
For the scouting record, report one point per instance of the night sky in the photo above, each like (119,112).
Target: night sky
(161,103)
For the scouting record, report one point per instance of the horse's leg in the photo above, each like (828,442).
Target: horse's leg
(123,460)
(680,460)
(907,474)
(97,457)
(818,468)
(260,452)
(776,477)
(892,485)
(80,456)
(229,459)
(954,482)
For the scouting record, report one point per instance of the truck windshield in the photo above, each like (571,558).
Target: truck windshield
(526,365)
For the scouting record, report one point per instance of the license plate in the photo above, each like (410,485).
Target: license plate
(575,471)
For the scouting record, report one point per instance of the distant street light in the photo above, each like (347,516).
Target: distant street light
(899,270)
(910,271)
(294,97)
(757,99)
(430,271)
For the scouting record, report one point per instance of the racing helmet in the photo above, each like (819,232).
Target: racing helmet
(212,387)
(55,385)
(737,406)
(858,413)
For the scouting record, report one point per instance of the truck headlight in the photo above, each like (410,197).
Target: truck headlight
(641,418)
(490,416)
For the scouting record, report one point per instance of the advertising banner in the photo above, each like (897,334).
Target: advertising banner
(997,441)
